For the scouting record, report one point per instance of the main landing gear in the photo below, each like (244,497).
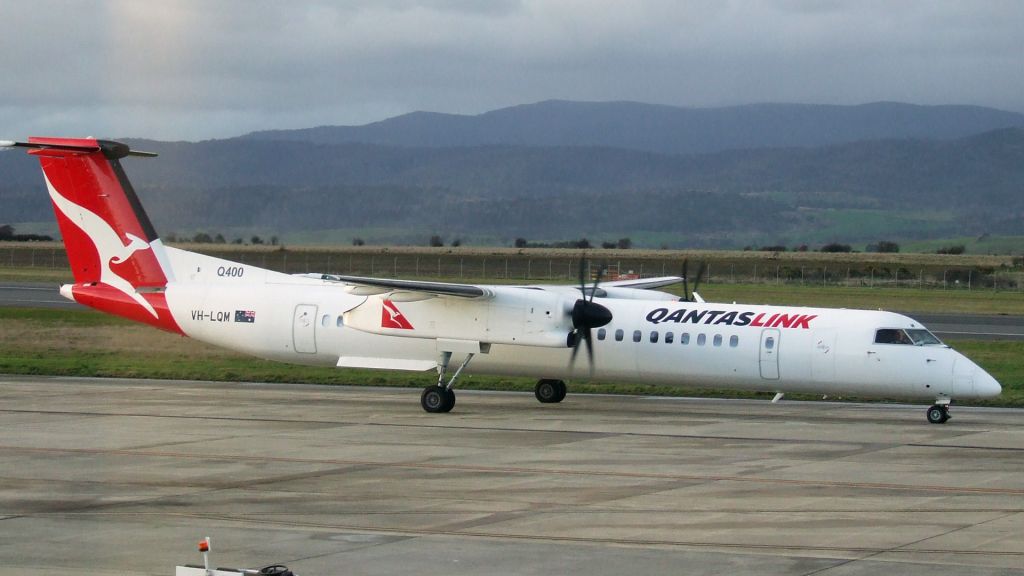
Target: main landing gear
(938,413)
(550,391)
(441,397)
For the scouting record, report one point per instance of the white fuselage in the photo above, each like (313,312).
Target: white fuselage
(825,351)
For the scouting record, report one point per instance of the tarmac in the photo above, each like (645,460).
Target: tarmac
(126,476)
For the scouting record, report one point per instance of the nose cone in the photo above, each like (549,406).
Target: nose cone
(985,386)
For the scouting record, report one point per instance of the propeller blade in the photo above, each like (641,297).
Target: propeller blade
(686,281)
(700,274)
(597,280)
(590,350)
(575,348)
(587,315)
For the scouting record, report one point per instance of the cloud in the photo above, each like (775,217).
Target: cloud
(194,69)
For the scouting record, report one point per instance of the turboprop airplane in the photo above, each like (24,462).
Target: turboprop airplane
(630,330)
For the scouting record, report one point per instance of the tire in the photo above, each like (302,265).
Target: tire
(562,390)
(436,399)
(546,391)
(451,399)
(937,414)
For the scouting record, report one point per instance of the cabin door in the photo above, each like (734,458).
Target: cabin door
(770,354)
(304,329)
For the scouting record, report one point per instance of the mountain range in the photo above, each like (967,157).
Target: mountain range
(724,177)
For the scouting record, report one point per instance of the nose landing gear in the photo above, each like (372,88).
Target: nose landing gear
(938,413)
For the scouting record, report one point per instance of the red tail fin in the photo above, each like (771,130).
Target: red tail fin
(116,257)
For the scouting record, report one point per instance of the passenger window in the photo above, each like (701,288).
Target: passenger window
(325,321)
(340,322)
(669,338)
(654,337)
(701,339)
(618,335)
(769,343)
(718,340)
(734,341)
(684,338)
(636,335)
(601,333)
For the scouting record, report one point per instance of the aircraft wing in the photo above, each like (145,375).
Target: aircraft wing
(643,283)
(368,286)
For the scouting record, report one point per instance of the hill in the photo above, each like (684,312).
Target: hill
(858,192)
(664,129)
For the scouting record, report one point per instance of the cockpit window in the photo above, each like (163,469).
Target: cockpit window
(892,336)
(922,337)
(910,336)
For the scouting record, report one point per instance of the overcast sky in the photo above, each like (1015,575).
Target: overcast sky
(203,69)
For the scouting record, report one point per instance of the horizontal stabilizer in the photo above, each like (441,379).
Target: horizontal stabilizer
(112,150)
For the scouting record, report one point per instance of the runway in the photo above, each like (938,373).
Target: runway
(125,476)
(945,326)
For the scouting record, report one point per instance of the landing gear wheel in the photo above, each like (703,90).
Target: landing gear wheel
(938,414)
(437,399)
(550,391)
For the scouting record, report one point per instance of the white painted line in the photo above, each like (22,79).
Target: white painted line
(981,333)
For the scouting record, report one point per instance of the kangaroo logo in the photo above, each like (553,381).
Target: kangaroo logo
(109,245)
(392,317)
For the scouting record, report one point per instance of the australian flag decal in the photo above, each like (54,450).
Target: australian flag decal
(245,316)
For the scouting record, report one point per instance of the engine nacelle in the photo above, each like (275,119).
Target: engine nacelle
(513,315)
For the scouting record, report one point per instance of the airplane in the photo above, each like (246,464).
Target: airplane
(630,330)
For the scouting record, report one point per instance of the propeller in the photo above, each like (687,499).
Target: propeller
(586,315)
(689,296)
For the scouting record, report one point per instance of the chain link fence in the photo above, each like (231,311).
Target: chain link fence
(476,265)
